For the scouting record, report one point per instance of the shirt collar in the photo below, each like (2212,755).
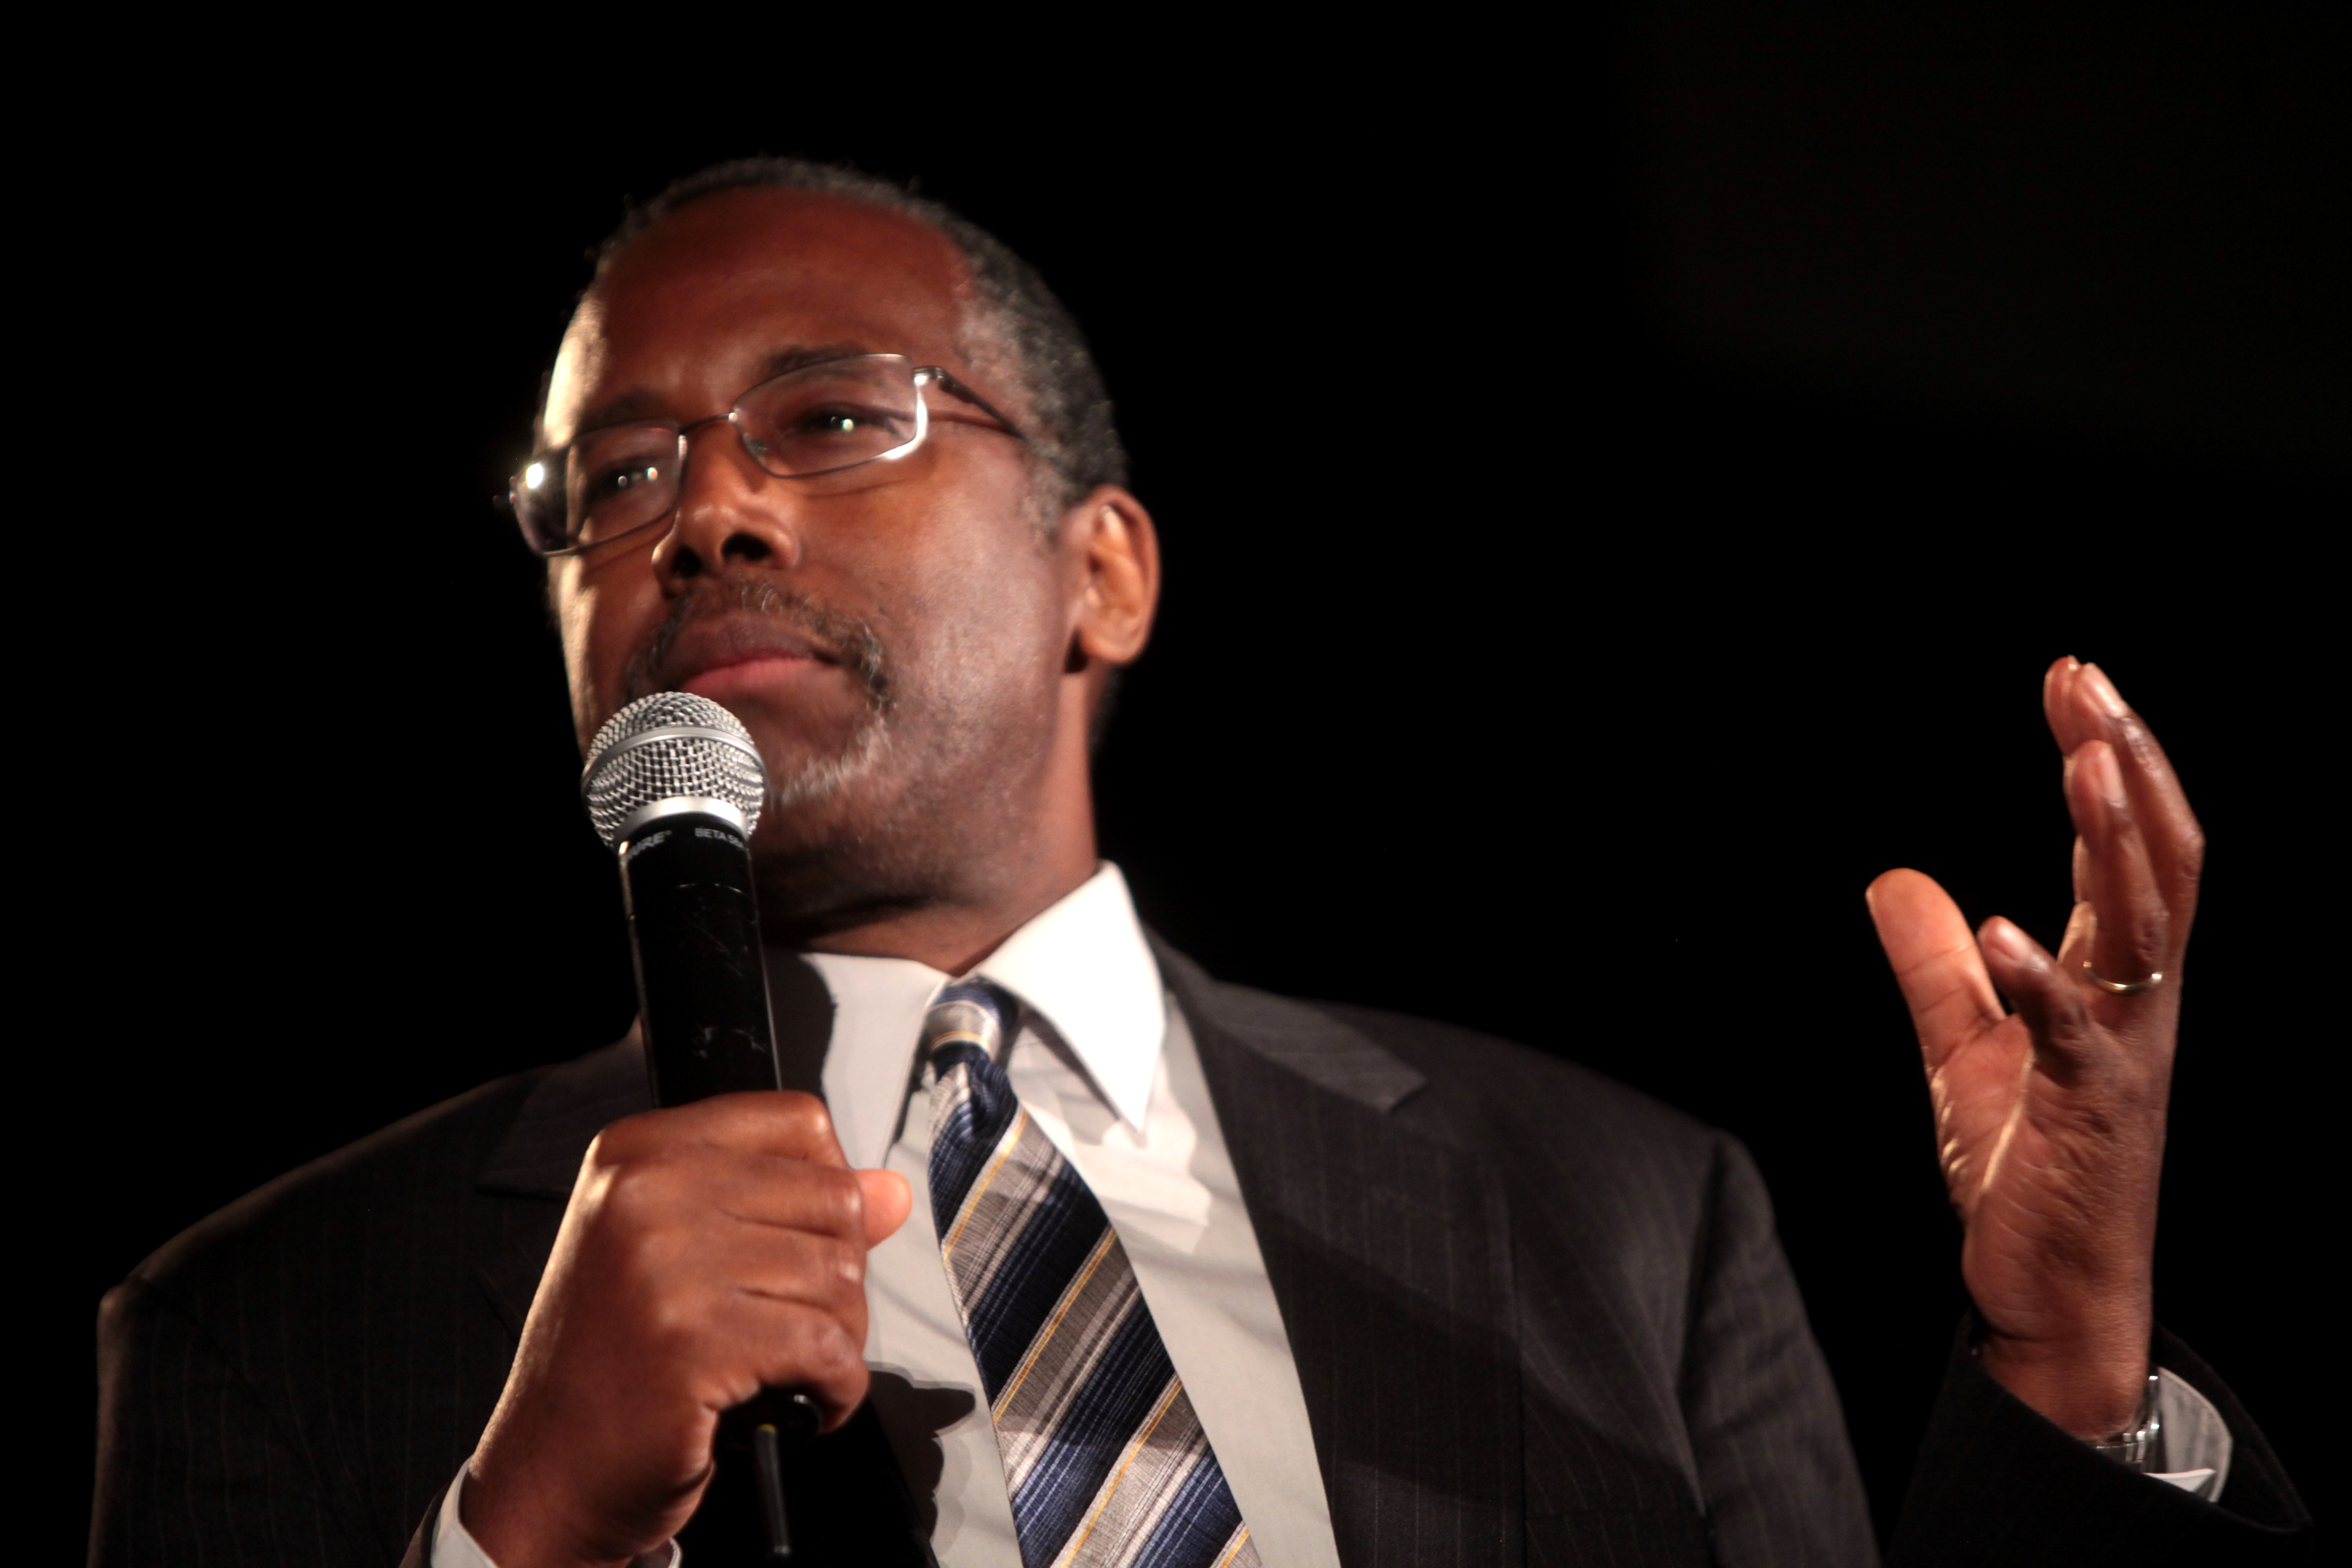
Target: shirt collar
(1082,966)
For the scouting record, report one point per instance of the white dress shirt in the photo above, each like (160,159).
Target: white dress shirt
(1104,1064)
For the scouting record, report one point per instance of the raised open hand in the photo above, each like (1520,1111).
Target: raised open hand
(2049,1120)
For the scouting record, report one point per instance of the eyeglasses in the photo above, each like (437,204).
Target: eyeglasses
(822,418)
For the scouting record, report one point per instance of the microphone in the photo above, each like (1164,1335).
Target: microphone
(674,786)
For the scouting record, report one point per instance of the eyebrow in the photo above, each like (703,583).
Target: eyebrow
(642,405)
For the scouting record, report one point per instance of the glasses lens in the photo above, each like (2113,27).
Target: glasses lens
(609,483)
(830,416)
(618,480)
(537,494)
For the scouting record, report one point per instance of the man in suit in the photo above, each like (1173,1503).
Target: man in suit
(1386,1291)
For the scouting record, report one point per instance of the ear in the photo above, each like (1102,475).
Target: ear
(1108,542)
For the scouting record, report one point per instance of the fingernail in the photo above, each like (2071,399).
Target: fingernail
(2008,941)
(2102,691)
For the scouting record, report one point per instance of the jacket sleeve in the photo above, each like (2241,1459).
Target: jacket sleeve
(1997,1483)
(191,1467)
(1766,1431)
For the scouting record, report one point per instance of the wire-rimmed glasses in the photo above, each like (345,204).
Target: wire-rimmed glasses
(822,418)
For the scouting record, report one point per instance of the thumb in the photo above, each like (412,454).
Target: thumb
(888,1200)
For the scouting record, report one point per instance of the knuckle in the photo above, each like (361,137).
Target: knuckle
(2192,853)
(839,1201)
(796,1108)
(626,1138)
(816,1347)
(804,1113)
(671,1320)
(649,1254)
(832,1354)
(639,1184)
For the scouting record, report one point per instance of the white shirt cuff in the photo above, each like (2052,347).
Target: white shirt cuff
(455,1547)
(2197,1443)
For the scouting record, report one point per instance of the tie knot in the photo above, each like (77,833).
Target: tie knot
(962,1036)
(969,1013)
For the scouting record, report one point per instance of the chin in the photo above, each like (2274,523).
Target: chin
(802,781)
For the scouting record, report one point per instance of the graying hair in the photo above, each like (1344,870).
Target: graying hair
(1071,428)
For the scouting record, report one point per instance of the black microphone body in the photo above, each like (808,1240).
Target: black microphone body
(694,937)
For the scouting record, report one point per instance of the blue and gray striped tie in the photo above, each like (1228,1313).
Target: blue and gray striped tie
(1107,1463)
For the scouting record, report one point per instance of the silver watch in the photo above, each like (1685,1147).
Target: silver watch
(2143,1445)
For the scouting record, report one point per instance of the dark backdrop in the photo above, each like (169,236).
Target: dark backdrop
(1616,501)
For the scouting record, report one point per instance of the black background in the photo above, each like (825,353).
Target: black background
(1619,495)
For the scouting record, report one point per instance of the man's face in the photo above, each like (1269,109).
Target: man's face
(895,638)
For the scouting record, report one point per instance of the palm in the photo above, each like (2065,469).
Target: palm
(1981,1095)
(2049,1120)
(2038,1159)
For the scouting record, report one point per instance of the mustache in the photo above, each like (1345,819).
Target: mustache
(846,640)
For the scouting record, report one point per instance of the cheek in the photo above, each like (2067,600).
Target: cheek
(604,615)
(995,636)
(990,582)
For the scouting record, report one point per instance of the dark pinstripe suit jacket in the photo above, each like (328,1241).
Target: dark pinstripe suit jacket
(1537,1319)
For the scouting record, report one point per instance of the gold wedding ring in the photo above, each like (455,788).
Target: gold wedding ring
(2122,987)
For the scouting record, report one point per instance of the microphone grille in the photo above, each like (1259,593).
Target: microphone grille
(672,745)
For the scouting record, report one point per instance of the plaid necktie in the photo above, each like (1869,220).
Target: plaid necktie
(1107,1463)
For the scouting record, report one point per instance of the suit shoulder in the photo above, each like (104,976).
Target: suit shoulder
(1594,1169)
(1485,1091)
(411,1174)
(1507,1079)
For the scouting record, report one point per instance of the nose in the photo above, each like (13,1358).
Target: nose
(729,510)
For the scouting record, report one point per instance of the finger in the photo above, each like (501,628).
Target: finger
(2049,1001)
(865,1206)
(780,1122)
(2059,708)
(2176,843)
(770,1344)
(888,1200)
(826,1271)
(807,1266)
(2130,937)
(1936,962)
(2082,921)
(763,1190)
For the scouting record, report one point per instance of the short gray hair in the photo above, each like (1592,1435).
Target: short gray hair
(1071,429)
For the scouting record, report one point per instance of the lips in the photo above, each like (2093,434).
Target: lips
(736,652)
(725,682)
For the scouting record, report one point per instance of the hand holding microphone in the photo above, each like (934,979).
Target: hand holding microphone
(713,1247)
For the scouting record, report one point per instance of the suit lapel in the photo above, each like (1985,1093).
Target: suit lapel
(1388,1248)
(528,1178)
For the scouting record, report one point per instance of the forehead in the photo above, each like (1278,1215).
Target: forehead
(693,307)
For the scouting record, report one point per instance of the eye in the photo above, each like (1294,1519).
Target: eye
(842,419)
(619,480)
